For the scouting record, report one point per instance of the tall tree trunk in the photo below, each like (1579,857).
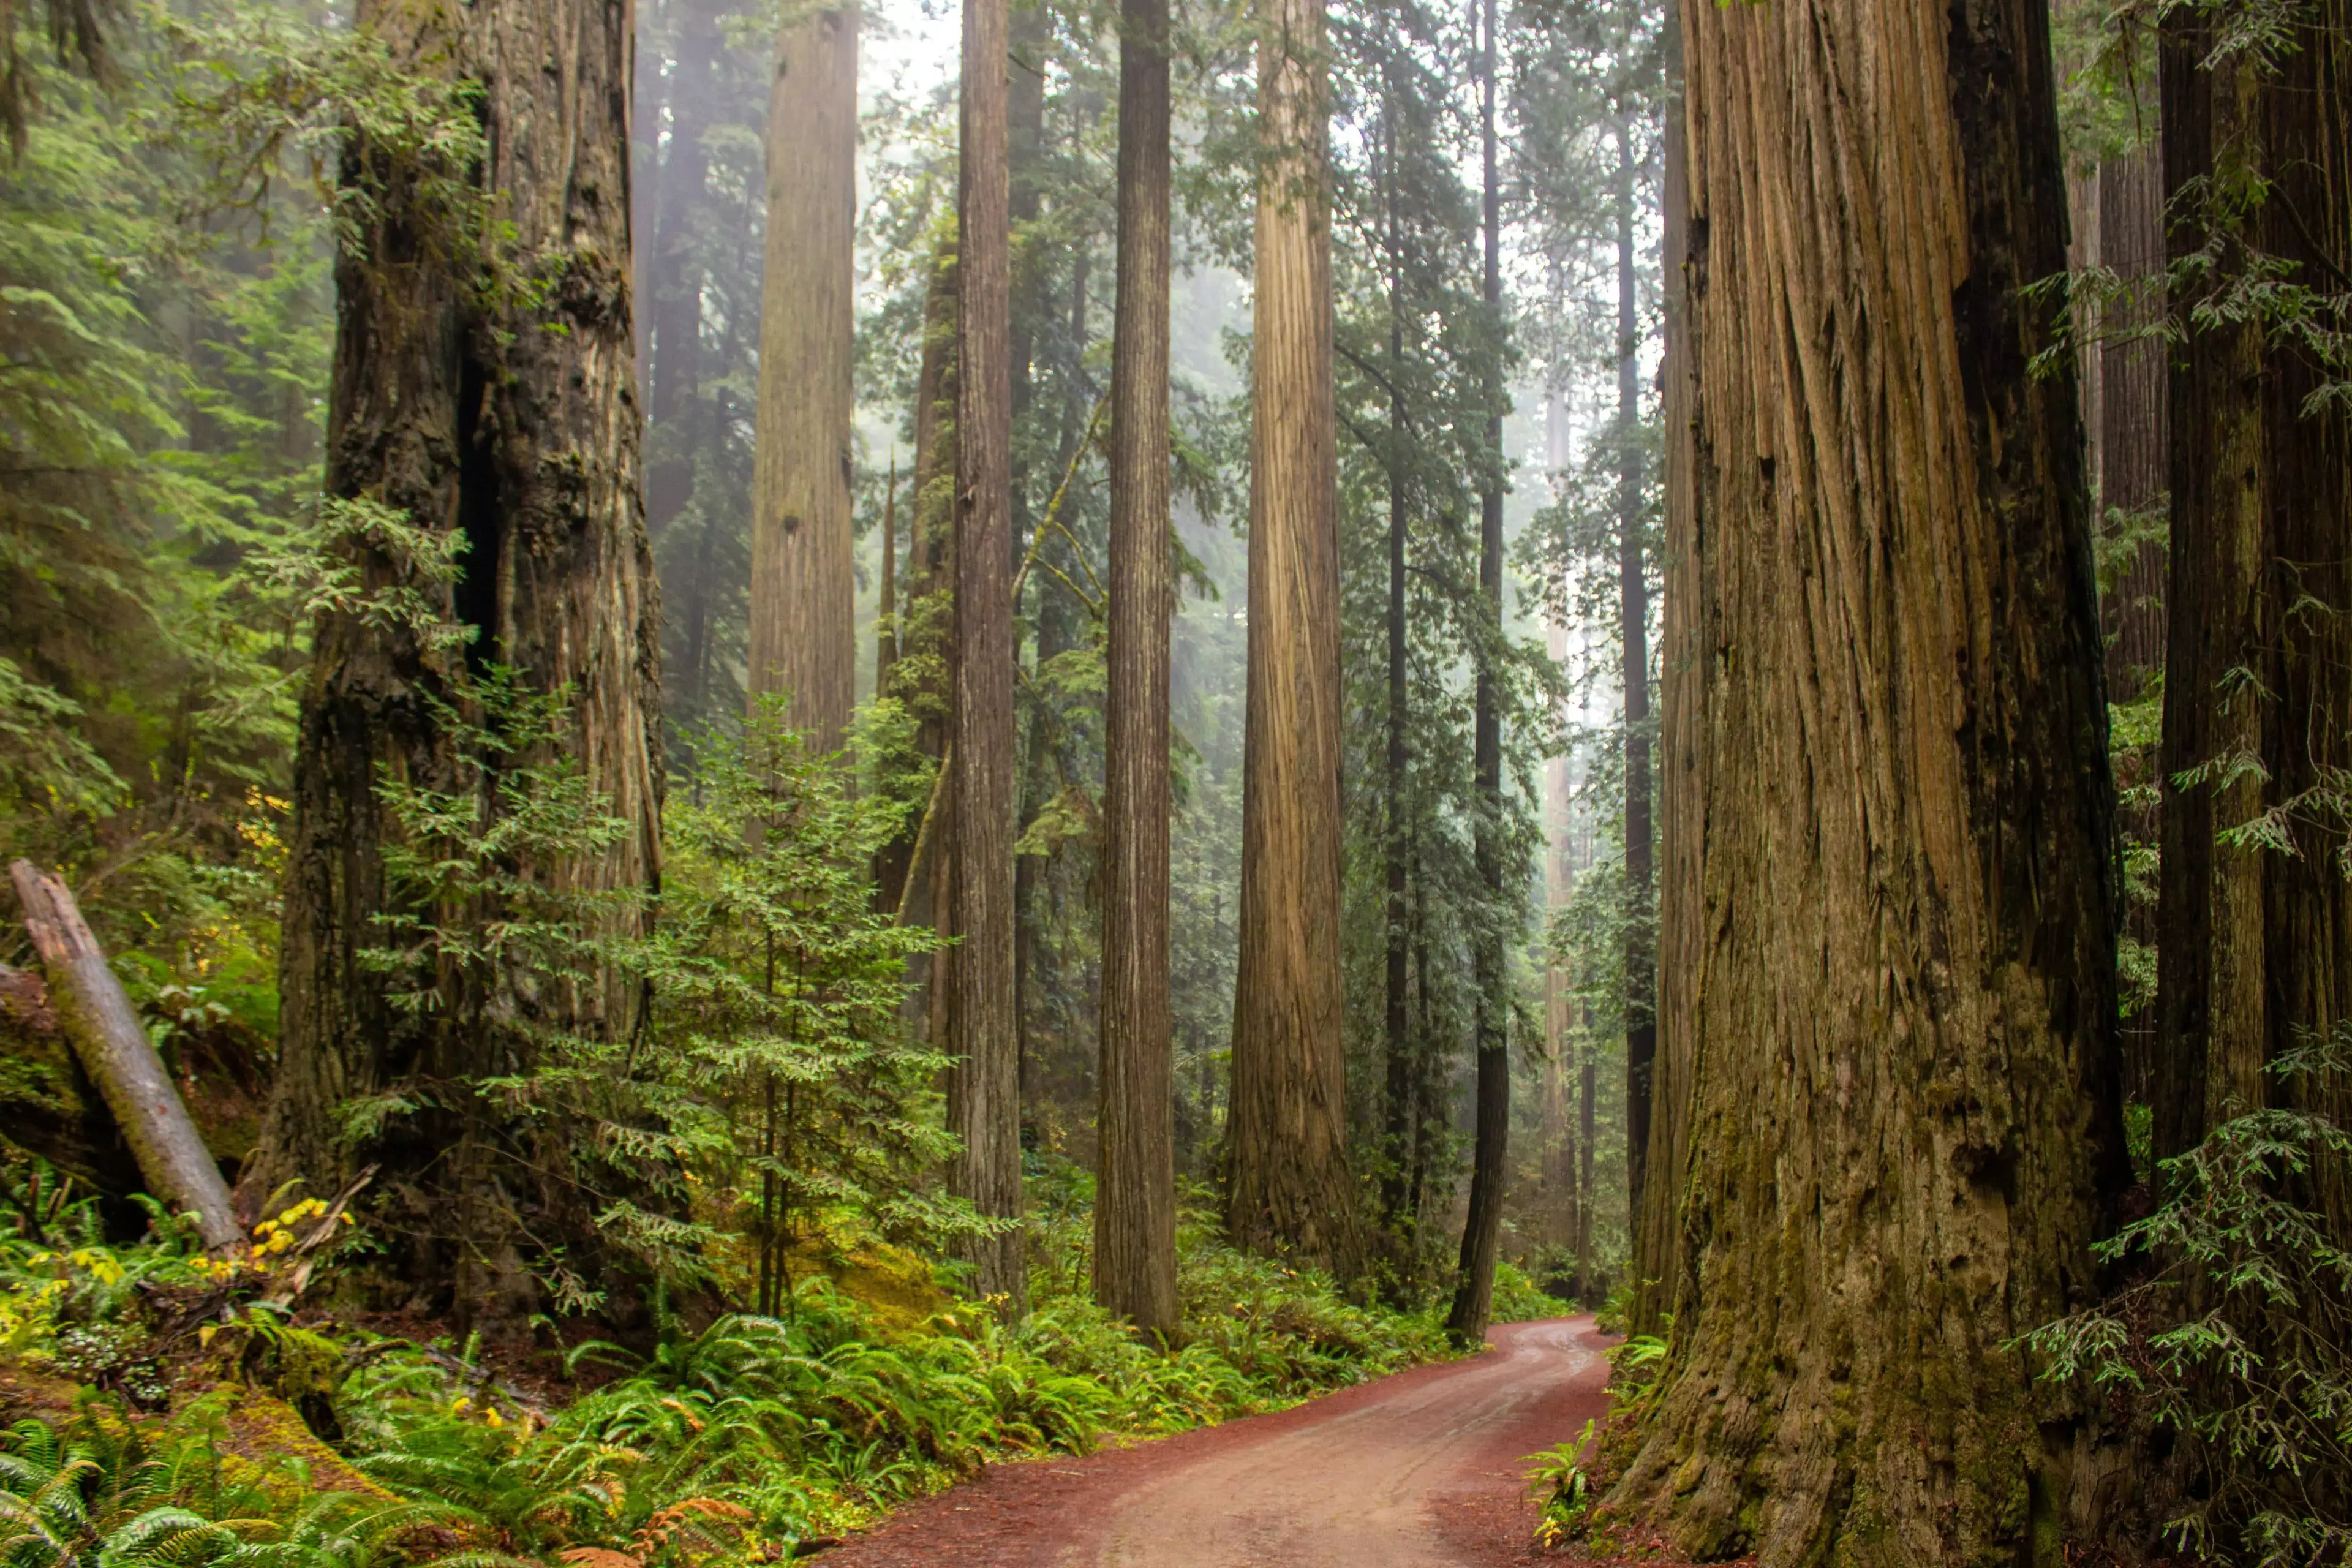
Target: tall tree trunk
(1633,641)
(1654,1220)
(1905,1126)
(2134,451)
(2257,940)
(1482,1231)
(804,567)
(1025,138)
(1397,1040)
(1587,1144)
(2134,432)
(647,102)
(1558,1142)
(508,414)
(672,303)
(925,626)
(1135,1205)
(1288,1188)
(885,601)
(984,1098)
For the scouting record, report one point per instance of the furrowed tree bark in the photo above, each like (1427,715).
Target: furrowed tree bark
(1657,1254)
(1482,1230)
(984,1097)
(1905,1129)
(509,414)
(2256,947)
(1288,1190)
(804,567)
(103,1028)
(1135,1202)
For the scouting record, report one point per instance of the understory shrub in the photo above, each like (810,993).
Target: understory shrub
(2233,1347)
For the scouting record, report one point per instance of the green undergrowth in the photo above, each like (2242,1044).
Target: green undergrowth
(743,1440)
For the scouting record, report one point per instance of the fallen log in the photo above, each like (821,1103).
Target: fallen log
(106,1035)
(49,1106)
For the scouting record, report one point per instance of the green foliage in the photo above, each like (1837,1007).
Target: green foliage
(2237,1336)
(727,1445)
(1517,1300)
(166,233)
(1558,1479)
(769,1090)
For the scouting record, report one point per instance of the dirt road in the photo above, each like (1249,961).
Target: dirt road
(1419,1470)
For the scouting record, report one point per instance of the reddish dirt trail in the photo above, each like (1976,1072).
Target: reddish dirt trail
(1418,1470)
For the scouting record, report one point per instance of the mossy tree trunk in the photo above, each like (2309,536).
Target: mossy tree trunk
(1904,1112)
(508,414)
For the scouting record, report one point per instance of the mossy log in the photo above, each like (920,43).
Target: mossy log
(97,1020)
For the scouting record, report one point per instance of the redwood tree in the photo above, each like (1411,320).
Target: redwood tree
(804,569)
(984,1095)
(507,413)
(1135,1204)
(2256,922)
(1482,1229)
(1288,1188)
(1904,1119)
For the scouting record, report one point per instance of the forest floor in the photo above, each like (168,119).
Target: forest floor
(1422,1470)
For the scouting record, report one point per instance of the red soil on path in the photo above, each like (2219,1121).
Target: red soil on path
(1418,1470)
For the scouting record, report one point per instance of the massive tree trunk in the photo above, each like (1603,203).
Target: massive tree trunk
(984,1097)
(804,567)
(1135,1205)
(1655,1220)
(2257,934)
(1482,1229)
(1904,1118)
(508,414)
(1288,1190)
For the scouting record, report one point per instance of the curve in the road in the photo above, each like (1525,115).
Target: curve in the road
(1418,1470)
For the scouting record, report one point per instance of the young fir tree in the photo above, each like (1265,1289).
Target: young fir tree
(1904,1122)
